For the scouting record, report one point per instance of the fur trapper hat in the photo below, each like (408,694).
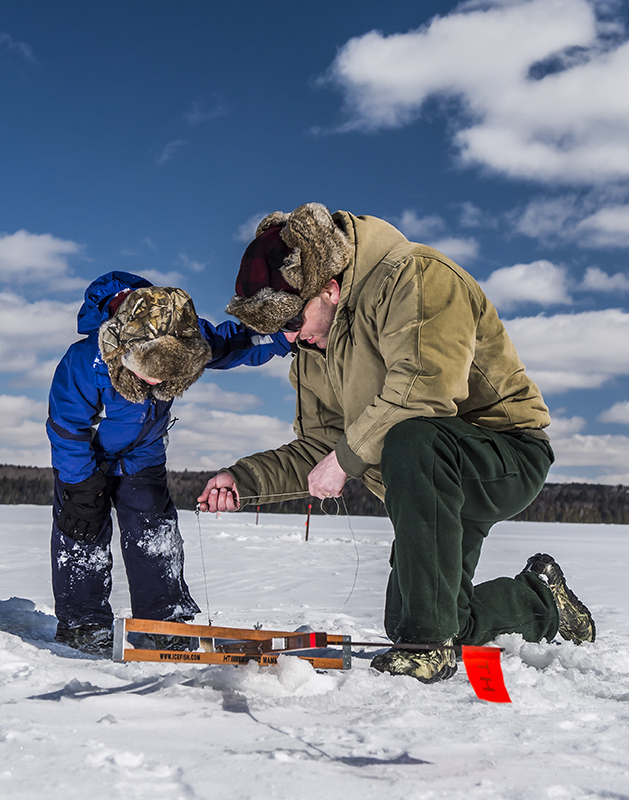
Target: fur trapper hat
(155,332)
(313,250)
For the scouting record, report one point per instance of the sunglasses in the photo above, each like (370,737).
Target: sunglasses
(293,325)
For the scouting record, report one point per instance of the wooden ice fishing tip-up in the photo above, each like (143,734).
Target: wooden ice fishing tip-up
(219,645)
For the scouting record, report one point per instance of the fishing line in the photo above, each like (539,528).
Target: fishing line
(349,522)
(291,495)
(207,598)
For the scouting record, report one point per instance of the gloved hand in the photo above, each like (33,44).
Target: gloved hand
(86,504)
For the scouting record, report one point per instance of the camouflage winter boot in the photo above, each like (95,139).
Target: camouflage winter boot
(575,621)
(180,643)
(427,666)
(93,639)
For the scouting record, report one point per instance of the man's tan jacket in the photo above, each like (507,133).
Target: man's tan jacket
(413,336)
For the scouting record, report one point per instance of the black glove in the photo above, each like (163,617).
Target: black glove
(86,505)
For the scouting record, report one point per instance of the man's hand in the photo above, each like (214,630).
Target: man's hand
(327,479)
(220,494)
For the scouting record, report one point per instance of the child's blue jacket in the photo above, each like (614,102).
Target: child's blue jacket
(89,422)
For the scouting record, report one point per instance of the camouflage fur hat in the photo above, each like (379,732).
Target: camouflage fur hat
(316,251)
(155,332)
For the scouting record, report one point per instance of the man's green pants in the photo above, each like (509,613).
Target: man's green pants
(447,482)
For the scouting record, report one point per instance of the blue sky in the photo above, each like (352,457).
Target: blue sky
(151,136)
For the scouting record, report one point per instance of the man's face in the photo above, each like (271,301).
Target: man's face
(318,316)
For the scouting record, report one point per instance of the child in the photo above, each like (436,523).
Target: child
(108,420)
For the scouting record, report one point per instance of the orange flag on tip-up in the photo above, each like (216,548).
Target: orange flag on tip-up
(485,673)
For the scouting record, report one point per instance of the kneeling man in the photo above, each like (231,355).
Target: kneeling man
(407,379)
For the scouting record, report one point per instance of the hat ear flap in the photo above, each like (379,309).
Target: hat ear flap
(267,310)
(132,388)
(291,270)
(324,250)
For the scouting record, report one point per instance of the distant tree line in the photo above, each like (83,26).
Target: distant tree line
(557,502)
(28,485)
(579,502)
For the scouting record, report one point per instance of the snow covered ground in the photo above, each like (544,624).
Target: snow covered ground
(74,726)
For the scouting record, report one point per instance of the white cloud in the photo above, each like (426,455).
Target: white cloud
(41,259)
(460,250)
(195,116)
(430,230)
(22,49)
(32,332)
(573,351)
(606,455)
(544,218)
(565,427)
(172,278)
(209,439)
(607,227)
(558,381)
(539,282)
(198,114)
(191,264)
(474,217)
(23,439)
(595,280)
(212,395)
(418,229)
(22,420)
(619,412)
(598,219)
(169,151)
(528,76)
(275,368)
(592,451)
(247,231)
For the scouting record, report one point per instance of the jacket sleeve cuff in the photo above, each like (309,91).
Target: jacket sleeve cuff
(246,484)
(349,462)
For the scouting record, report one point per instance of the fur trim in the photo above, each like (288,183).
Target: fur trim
(182,365)
(154,332)
(275,218)
(267,310)
(166,358)
(319,251)
(126,383)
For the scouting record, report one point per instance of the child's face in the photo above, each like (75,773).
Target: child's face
(150,381)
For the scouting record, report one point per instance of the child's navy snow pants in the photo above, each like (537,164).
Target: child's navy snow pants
(447,482)
(152,549)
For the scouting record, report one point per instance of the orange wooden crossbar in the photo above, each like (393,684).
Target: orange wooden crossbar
(239,649)
(184,656)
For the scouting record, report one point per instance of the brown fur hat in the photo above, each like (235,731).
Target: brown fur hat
(317,250)
(155,332)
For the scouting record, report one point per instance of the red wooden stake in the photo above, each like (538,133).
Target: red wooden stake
(308,521)
(257,513)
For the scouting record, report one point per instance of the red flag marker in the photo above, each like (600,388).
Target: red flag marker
(485,673)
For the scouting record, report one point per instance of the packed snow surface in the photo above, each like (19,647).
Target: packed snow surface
(76,726)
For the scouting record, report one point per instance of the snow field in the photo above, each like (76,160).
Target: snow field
(73,726)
